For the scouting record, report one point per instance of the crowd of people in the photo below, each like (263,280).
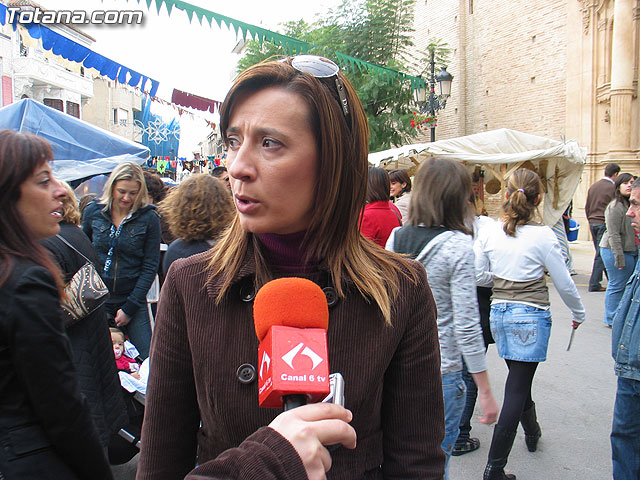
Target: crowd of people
(297,198)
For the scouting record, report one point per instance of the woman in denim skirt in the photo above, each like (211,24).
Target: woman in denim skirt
(514,254)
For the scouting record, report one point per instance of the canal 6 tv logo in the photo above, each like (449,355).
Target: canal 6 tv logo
(292,361)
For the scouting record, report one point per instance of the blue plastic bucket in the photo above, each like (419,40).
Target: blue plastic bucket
(573,230)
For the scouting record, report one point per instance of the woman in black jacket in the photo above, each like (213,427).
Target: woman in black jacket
(90,340)
(46,430)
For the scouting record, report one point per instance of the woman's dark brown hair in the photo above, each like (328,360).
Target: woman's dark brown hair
(20,154)
(377,185)
(155,187)
(620,179)
(333,234)
(86,200)
(401,176)
(440,197)
(524,191)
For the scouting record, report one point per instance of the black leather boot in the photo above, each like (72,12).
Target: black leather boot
(499,454)
(532,431)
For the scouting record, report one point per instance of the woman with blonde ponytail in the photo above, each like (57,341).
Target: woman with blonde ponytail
(514,255)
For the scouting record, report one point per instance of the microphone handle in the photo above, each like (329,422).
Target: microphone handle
(298,400)
(293,401)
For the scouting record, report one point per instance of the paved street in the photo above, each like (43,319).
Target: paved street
(574,392)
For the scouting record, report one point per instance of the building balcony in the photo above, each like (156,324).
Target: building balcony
(41,73)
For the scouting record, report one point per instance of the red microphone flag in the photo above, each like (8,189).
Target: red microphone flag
(291,318)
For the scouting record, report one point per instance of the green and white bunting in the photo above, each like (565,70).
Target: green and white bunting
(290,45)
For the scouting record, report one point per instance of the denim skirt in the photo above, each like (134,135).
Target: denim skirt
(521,331)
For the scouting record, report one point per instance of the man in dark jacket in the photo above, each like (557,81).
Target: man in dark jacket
(598,197)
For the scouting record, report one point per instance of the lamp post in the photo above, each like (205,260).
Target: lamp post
(434,102)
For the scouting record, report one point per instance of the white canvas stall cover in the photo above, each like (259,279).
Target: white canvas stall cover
(499,153)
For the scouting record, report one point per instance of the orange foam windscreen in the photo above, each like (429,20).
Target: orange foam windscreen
(290,302)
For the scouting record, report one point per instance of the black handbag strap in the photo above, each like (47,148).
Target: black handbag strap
(73,248)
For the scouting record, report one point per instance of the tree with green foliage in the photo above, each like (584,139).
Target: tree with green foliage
(376,31)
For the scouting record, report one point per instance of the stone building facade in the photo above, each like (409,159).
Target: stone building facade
(603,111)
(112,108)
(554,68)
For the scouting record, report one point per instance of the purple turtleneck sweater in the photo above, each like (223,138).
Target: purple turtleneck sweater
(286,254)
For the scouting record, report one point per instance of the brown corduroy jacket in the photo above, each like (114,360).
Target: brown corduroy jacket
(392,385)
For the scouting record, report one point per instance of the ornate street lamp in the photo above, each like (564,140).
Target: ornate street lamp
(433,103)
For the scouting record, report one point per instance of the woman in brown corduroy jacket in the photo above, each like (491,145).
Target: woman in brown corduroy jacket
(297,138)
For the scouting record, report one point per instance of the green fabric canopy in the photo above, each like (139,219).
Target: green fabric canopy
(289,44)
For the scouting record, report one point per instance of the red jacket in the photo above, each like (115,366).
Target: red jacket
(124,363)
(378,219)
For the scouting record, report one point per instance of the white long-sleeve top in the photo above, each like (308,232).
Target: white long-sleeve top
(524,258)
(481,223)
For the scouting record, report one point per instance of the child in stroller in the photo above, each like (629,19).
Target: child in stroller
(123,362)
(133,373)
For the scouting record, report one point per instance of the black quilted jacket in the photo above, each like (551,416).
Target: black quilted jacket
(91,342)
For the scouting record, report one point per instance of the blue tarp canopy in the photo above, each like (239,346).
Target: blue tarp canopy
(80,150)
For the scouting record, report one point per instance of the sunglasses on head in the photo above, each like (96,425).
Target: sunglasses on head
(325,70)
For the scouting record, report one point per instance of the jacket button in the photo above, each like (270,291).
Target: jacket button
(246,373)
(331,294)
(247,292)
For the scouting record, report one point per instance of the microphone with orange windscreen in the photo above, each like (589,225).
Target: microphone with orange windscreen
(291,317)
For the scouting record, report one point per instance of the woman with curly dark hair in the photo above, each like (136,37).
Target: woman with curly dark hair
(197,212)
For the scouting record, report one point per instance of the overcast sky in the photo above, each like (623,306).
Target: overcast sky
(193,58)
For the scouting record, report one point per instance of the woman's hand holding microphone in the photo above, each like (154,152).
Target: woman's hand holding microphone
(310,427)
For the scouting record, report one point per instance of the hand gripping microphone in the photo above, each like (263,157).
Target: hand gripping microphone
(291,318)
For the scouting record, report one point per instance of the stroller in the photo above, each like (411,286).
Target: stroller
(125,444)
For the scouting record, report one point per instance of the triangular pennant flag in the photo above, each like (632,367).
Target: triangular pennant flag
(209,16)
(289,45)
(190,14)
(169,4)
